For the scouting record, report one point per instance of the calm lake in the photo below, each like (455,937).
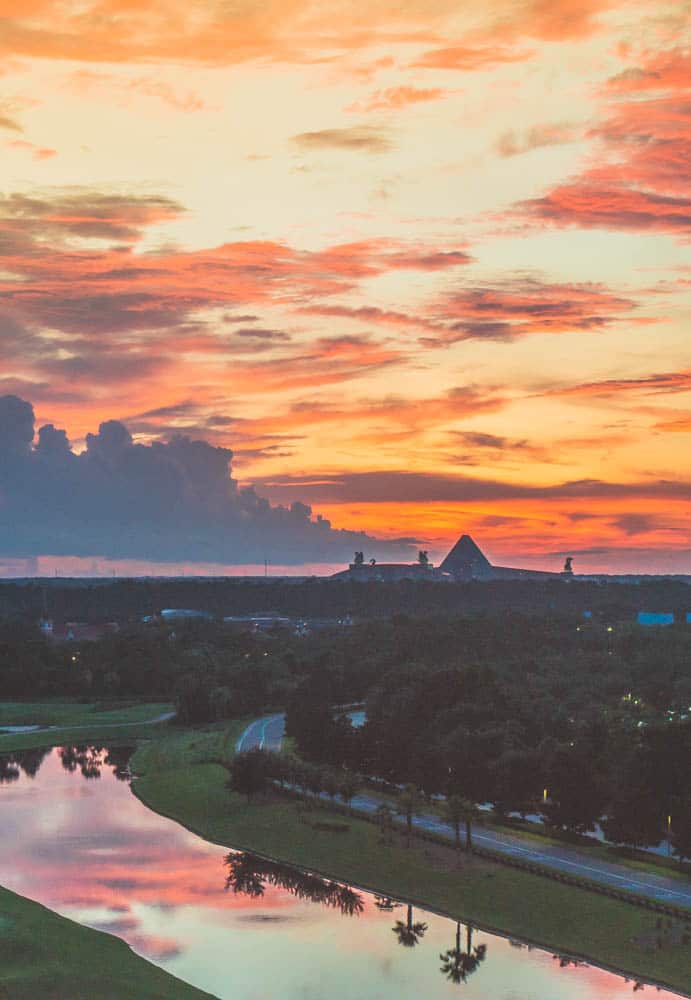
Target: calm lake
(76,839)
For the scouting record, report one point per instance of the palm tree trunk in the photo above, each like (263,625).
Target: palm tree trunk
(468,836)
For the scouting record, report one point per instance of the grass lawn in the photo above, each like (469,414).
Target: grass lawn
(180,778)
(76,722)
(47,956)
(72,713)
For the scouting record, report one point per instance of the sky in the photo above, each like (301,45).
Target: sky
(423,269)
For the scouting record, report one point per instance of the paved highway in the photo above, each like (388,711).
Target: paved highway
(268,732)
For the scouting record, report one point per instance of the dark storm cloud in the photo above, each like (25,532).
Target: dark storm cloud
(420,487)
(166,501)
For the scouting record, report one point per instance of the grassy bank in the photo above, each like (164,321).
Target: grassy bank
(180,778)
(71,713)
(76,723)
(47,956)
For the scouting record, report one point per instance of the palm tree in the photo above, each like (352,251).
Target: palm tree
(385,819)
(409,934)
(471,814)
(453,813)
(410,802)
(457,964)
(347,790)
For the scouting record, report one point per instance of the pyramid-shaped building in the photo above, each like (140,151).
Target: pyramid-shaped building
(466,561)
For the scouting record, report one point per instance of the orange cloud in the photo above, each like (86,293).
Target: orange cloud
(154,30)
(468,57)
(515,142)
(395,98)
(37,152)
(87,82)
(527,306)
(639,179)
(87,310)
(669,70)
(667,382)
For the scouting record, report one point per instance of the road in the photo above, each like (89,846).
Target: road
(267,733)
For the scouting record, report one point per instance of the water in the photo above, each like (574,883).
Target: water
(77,840)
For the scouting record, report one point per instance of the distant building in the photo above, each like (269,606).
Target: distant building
(263,622)
(390,572)
(78,631)
(465,561)
(184,614)
(655,618)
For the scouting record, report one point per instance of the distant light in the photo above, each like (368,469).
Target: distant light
(610,629)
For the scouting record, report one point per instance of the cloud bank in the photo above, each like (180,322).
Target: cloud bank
(168,501)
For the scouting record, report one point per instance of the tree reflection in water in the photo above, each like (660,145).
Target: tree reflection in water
(91,759)
(385,903)
(9,770)
(28,761)
(119,759)
(249,874)
(86,758)
(457,964)
(408,933)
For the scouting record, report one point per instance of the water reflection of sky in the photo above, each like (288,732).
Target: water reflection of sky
(89,849)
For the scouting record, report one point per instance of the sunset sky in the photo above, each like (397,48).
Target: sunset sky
(423,267)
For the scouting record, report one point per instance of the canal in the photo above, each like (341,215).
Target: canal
(76,839)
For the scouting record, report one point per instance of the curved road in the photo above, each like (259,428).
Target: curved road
(267,733)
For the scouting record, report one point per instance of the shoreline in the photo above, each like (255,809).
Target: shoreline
(417,903)
(191,792)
